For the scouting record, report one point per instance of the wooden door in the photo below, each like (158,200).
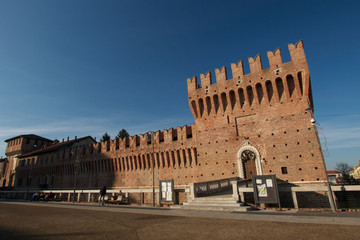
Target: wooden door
(248,159)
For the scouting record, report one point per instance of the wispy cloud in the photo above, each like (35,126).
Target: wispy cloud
(73,125)
(336,136)
(340,131)
(340,137)
(347,145)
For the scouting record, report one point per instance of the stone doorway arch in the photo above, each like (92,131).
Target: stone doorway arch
(245,155)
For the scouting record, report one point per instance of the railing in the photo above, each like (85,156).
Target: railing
(343,194)
(243,183)
(86,195)
(134,195)
(212,187)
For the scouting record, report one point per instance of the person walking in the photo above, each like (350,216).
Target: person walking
(102,195)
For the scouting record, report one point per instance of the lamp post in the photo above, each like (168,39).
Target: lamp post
(76,168)
(153,167)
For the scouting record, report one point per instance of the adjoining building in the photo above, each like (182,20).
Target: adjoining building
(17,146)
(38,163)
(3,163)
(355,172)
(253,124)
(334,176)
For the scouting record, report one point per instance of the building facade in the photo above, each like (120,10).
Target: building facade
(355,172)
(15,147)
(253,124)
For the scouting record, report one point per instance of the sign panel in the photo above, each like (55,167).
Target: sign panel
(265,189)
(166,191)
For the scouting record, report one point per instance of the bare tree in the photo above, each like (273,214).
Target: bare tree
(345,169)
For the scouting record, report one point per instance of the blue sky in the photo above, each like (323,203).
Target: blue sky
(78,68)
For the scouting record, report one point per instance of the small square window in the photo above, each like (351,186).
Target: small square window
(284,170)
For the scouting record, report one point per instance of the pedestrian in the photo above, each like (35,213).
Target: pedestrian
(35,196)
(102,195)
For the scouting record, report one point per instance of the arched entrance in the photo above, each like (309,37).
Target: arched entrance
(249,163)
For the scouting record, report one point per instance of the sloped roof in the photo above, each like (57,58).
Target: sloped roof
(32,136)
(55,147)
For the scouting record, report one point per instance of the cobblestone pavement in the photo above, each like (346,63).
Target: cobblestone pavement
(25,220)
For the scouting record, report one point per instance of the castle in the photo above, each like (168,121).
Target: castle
(253,124)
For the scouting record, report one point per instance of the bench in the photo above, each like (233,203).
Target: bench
(115,199)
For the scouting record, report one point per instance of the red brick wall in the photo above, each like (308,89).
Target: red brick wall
(277,123)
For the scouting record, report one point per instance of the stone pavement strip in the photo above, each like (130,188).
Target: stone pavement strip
(339,218)
(67,221)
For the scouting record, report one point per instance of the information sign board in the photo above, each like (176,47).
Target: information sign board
(166,191)
(265,189)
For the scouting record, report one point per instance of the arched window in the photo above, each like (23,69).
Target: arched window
(216,103)
(190,158)
(201,107)
(162,159)
(195,156)
(291,84)
(149,161)
(135,162)
(250,94)
(300,82)
(232,99)
(158,160)
(168,159)
(208,105)
(269,90)
(193,105)
(241,97)
(144,161)
(127,163)
(259,92)
(279,87)
(224,101)
(184,156)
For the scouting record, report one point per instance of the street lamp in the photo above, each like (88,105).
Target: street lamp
(153,167)
(76,168)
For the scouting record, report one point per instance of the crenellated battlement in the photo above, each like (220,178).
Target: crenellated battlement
(252,89)
(142,141)
(275,61)
(274,58)
(255,64)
